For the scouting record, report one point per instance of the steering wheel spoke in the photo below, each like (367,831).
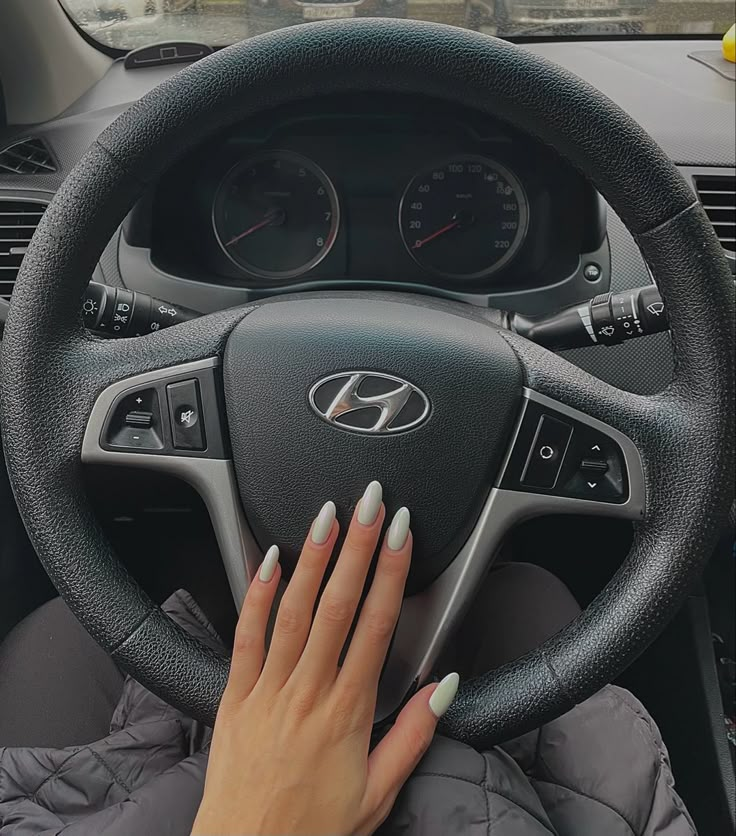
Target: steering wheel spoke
(171,420)
(564,461)
(560,461)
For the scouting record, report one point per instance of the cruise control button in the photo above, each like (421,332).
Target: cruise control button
(185,411)
(547,453)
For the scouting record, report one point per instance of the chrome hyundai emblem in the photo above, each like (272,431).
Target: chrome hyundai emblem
(369,402)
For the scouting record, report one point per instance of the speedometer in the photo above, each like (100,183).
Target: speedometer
(465,218)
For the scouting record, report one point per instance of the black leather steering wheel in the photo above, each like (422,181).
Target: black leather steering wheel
(455,469)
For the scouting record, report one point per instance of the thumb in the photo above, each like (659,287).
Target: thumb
(394,759)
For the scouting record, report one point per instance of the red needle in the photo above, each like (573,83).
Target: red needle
(434,235)
(265,222)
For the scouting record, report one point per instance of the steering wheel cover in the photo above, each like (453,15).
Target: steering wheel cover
(52,371)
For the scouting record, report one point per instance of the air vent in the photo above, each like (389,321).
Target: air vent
(717,193)
(18,222)
(29,156)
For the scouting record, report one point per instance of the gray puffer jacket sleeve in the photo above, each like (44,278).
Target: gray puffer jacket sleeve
(601,770)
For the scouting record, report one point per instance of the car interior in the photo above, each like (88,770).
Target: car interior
(484,253)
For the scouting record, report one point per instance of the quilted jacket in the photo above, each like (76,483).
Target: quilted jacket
(600,770)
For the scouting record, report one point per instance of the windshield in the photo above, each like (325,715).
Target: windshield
(127,24)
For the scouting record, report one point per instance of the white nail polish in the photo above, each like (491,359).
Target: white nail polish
(399,529)
(370,504)
(444,694)
(268,567)
(323,524)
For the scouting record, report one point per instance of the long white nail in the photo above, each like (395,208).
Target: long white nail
(323,524)
(268,567)
(444,694)
(370,504)
(399,529)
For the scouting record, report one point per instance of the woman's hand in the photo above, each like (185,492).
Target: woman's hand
(290,752)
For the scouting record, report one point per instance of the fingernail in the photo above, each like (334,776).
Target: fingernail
(323,524)
(398,530)
(444,694)
(370,504)
(268,567)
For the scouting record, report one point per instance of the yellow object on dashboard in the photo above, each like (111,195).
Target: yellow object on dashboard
(729,44)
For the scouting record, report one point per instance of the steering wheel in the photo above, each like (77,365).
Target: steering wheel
(468,458)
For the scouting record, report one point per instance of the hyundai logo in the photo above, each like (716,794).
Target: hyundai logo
(369,402)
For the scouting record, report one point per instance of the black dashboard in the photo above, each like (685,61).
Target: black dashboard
(387,191)
(375,191)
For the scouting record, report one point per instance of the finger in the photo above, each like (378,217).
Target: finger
(396,756)
(362,667)
(294,618)
(250,633)
(340,599)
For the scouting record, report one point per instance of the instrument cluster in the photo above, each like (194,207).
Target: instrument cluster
(376,192)
(277,215)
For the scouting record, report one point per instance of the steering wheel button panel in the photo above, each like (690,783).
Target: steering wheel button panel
(573,457)
(547,453)
(166,413)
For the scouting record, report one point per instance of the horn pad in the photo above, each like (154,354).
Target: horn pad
(316,410)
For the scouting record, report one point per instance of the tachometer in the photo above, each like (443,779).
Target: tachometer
(276,215)
(465,218)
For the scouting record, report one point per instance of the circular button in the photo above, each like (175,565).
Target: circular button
(186,416)
(592,272)
(546,452)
